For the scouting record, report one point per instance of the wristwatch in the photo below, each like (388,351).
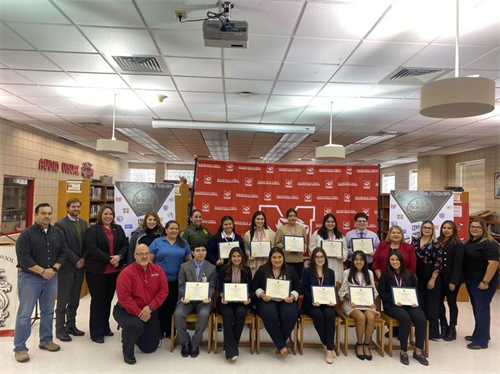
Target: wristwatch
(55,269)
(486,283)
(151,308)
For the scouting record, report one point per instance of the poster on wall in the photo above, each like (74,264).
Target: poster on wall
(238,189)
(8,290)
(134,199)
(408,209)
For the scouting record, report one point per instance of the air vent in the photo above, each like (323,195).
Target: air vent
(140,64)
(88,124)
(414,76)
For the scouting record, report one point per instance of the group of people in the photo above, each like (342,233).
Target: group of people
(152,271)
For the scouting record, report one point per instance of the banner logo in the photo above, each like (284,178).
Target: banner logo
(288,183)
(347,197)
(248,182)
(227,195)
(170,214)
(329,184)
(119,199)
(393,206)
(349,170)
(126,210)
(346,225)
(308,197)
(208,179)
(310,170)
(268,196)
(366,211)
(119,219)
(327,210)
(246,209)
(270,169)
(205,207)
(230,166)
(366,185)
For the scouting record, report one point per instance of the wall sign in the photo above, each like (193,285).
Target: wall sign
(51,165)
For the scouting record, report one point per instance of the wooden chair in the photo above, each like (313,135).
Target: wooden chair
(257,336)
(192,317)
(391,323)
(249,320)
(304,320)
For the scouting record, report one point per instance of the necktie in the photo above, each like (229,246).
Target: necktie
(361,235)
(198,269)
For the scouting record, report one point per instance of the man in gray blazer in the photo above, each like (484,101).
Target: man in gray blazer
(70,275)
(195,270)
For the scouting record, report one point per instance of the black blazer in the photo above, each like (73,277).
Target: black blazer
(77,251)
(384,288)
(213,248)
(309,279)
(260,278)
(97,245)
(246,277)
(453,259)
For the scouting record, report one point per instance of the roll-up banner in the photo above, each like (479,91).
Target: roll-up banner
(238,189)
(409,209)
(134,199)
(8,289)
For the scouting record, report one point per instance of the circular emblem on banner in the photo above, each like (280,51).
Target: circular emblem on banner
(420,209)
(145,201)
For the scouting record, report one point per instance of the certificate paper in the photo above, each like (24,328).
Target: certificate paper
(361,296)
(225,248)
(235,292)
(365,245)
(324,294)
(278,288)
(405,295)
(260,249)
(293,243)
(333,248)
(196,291)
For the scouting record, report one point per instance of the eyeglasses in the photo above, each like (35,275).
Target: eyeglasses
(476,228)
(145,254)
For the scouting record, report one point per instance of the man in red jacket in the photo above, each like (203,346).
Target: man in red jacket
(141,288)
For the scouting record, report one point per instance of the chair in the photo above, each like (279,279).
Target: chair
(304,320)
(257,336)
(249,320)
(391,323)
(192,317)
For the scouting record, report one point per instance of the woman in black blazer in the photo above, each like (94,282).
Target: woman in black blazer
(279,315)
(453,277)
(318,274)
(233,313)
(397,275)
(107,248)
(226,233)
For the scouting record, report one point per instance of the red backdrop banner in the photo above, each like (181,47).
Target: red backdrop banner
(238,189)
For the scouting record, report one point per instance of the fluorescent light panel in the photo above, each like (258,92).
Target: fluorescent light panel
(368,141)
(286,143)
(140,137)
(217,144)
(224,126)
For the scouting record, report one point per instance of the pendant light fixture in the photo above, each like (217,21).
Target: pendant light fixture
(457,97)
(112,145)
(330,151)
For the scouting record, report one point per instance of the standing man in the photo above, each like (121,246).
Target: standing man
(70,276)
(141,288)
(361,232)
(41,250)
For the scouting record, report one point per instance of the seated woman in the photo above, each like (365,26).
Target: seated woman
(279,315)
(318,274)
(233,313)
(226,233)
(397,275)
(359,275)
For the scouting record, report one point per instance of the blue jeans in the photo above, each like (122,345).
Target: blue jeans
(480,301)
(30,289)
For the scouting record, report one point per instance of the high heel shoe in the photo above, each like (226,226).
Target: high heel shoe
(368,357)
(361,357)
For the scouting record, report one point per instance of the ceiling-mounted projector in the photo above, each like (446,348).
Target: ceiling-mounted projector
(229,34)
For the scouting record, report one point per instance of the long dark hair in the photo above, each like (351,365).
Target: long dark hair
(323,232)
(253,226)
(269,265)
(352,271)
(224,219)
(454,237)
(404,272)
(312,262)
(180,242)
(229,266)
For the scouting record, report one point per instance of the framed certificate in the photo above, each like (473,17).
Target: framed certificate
(225,248)
(333,248)
(235,292)
(278,288)
(260,249)
(404,295)
(293,243)
(324,294)
(361,296)
(196,291)
(365,245)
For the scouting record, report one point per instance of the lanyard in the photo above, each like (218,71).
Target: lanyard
(294,231)
(321,280)
(399,282)
(262,236)
(236,276)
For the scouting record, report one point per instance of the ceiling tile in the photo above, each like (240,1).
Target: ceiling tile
(443,56)
(306,72)
(297,101)
(200,97)
(253,86)
(184,44)
(195,67)
(99,80)
(121,42)
(393,91)
(361,74)
(341,89)
(50,78)
(26,60)
(384,53)
(255,108)
(37,11)
(260,48)
(79,62)
(251,69)
(209,116)
(243,100)
(47,101)
(320,51)
(8,76)
(149,82)
(12,100)
(27,90)
(244,117)
(194,107)
(281,114)
(10,40)
(297,88)
(199,84)
(488,61)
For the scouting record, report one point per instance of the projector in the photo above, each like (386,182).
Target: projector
(229,34)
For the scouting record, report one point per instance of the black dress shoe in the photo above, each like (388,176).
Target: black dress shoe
(74,331)
(468,338)
(129,359)
(98,340)
(186,350)
(109,333)
(368,357)
(475,346)
(195,352)
(63,336)
(403,357)
(361,357)
(420,358)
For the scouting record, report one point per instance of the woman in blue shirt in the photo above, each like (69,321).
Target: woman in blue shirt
(169,252)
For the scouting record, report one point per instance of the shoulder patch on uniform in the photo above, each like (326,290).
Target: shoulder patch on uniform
(182,234)
(205,231)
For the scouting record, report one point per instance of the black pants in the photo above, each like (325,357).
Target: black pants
(168,308)
(102,290)
(429,302)
(279,320)
(69,285)
(135,331)
(298,267)
(451,299)
(233,322)
(324,323)
(405,316)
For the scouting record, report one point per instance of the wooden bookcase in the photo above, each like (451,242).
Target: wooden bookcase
(384,215)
